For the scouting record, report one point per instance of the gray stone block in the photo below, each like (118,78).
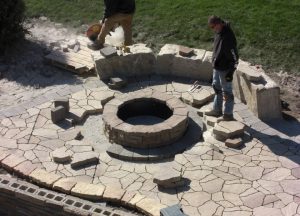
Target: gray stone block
(139,62)
(58,114)
(109,51)
(186,51)
(261,94)
(64,102)
(174,210)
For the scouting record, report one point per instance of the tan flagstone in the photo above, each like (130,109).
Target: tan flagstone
(44,178)
(89,191)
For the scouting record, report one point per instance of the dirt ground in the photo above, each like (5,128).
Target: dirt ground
(23,73)
(290,93)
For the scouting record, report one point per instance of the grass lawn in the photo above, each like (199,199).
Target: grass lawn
(268,31)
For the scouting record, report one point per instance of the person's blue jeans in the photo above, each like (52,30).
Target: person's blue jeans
(223,90)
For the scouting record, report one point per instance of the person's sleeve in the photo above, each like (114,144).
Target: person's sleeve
(230,51)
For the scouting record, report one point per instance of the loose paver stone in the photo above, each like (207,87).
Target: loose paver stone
(61,155)
(85,158)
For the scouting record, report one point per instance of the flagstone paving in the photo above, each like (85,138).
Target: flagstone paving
(261,177)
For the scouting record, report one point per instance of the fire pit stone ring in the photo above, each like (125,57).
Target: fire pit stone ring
(171,112)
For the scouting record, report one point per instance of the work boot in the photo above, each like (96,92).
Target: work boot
(213,113)
(95,45)
(226,117)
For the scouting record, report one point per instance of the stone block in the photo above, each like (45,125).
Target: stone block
(234,143)
(62,102)
(64,185)
(84,159)
(170,62)
(174,210)
(228,130)
(88,191)
(139,62)
(250,72)
(71,134)
(44,178)
(108,52)
(202,97)
(58,114)
(25,168)
(12,161)
(185,51)
(176,184)
(113,194)
(210,120)
(117,83)
(61,155)
(254,88)
(167,177)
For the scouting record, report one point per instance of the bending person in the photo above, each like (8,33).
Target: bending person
(115,12)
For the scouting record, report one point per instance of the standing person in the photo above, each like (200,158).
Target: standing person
(224,60)
(115,12)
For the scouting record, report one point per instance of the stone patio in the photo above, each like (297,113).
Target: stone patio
(260,177)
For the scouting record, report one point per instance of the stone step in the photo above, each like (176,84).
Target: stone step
(228,130)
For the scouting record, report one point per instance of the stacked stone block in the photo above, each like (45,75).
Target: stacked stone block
(254,88)
(60,110)
(196,66)
(139,61)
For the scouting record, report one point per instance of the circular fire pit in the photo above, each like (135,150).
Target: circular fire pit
(145,119)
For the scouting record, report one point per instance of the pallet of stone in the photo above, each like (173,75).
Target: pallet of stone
(78,62)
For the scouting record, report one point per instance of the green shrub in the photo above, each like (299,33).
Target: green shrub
(11,22)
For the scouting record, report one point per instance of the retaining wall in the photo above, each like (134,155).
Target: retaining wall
(22,198)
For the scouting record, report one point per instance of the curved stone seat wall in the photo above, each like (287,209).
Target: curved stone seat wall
(141,61)
(251,85)
(197,66)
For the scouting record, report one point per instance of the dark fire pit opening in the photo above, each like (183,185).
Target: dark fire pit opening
(144,108)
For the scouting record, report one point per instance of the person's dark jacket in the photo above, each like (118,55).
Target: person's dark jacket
(118,6)
(225,55)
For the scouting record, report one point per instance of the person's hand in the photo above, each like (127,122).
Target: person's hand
(229,75)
